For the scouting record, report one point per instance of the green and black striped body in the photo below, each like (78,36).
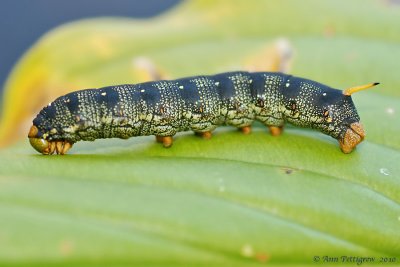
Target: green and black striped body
(199,103)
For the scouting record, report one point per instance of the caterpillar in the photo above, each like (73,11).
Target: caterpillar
(200,104)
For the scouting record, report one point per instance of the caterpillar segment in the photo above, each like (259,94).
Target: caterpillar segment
(200,104)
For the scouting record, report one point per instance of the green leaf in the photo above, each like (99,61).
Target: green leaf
(234,200)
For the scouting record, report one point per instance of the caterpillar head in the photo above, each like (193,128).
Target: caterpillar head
(47,147)
(45,139)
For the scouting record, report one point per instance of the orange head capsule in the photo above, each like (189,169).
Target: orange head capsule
(46,147)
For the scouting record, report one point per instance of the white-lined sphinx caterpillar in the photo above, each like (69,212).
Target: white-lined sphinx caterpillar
(200,103)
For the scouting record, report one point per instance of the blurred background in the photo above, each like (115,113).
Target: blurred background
(23,22)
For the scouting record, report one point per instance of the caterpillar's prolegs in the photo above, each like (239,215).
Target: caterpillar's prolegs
(246,129)
(165,140)
(275,130)
(205,135)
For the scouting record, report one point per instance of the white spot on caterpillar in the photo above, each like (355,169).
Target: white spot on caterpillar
(187,114)
(384,171)
(148,117)
(250,81)
(324,94)
(103,94)
(181,87)
(216,83)
(107,120)
(71,129)
(142,91)
(287,84)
